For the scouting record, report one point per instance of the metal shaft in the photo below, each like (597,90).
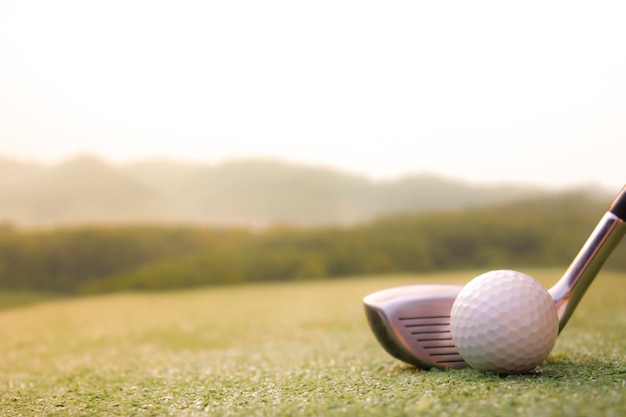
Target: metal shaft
(569,290)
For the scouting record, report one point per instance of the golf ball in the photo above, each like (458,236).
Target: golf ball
(504,322)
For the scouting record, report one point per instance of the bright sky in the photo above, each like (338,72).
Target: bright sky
(531,91)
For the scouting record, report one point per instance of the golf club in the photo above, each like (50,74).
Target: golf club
(412,322)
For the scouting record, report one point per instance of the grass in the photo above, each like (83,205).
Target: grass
(21,298)
(285,349)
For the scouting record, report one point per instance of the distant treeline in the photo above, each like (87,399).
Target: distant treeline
(117,258)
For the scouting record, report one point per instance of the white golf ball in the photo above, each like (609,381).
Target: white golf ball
(504,322)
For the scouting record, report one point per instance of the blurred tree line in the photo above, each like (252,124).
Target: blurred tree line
(98,258)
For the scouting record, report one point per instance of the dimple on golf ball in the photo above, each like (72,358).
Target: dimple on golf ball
(504,322)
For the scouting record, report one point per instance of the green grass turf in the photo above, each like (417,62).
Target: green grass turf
(15,299)
(286,349)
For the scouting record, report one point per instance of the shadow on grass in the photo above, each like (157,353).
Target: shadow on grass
(585,371)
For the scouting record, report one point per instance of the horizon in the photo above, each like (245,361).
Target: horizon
(272,159)
(485,93)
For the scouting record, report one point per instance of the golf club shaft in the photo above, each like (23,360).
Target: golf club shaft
(569,290)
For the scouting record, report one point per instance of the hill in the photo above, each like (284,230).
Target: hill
(247,192)
(84,189)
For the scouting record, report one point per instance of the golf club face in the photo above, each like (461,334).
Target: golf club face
(412,322)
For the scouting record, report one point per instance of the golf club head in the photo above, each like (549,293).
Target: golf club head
(412,323)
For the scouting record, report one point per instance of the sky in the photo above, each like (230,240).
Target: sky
(485,91)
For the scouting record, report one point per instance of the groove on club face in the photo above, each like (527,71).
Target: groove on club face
(433,333)
(418,332)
